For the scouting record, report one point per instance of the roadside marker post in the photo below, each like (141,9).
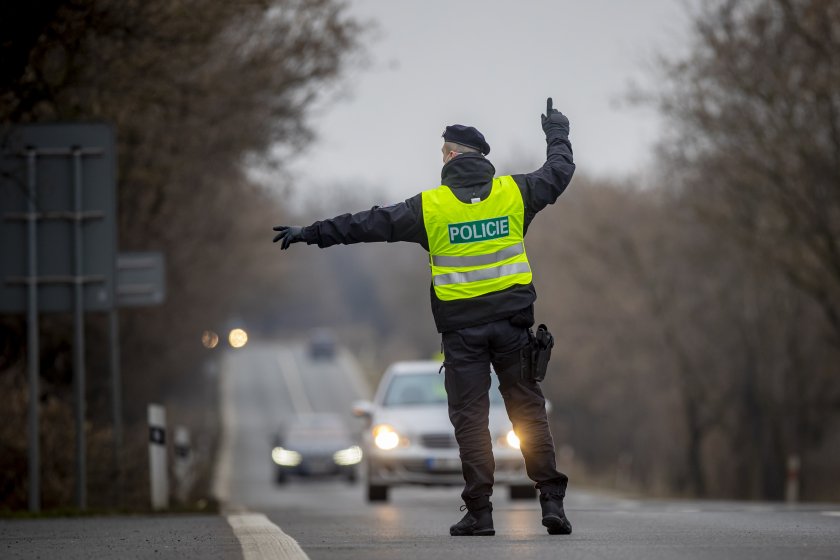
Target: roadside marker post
(183,464)
(158,474)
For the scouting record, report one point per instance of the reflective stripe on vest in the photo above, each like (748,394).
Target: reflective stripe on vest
(476,249)
(481,274)
(479,260)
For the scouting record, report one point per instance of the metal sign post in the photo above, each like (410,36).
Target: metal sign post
(63,260)
(140,282)
(116,400)
(58,254)
(79,372)
(33,357)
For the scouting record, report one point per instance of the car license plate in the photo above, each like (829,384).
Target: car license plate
(318,466)
(443,463)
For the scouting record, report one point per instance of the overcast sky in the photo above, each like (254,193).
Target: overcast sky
(490,64)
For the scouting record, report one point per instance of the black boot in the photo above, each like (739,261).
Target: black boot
(554,518)
(477,522)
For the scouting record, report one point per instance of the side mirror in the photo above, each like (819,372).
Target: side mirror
(276,440)
(363,409)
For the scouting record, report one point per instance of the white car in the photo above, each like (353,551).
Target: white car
(410,439)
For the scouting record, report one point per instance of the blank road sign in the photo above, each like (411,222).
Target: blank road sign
(55,158)
(140,279)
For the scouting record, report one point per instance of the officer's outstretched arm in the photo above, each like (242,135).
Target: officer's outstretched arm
(398,222)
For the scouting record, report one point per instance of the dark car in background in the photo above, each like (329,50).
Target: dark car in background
(316,445)
(322,345)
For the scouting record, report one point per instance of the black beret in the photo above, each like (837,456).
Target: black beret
(466,136)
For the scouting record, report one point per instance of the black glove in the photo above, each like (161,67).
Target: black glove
(289,235)
(554,120)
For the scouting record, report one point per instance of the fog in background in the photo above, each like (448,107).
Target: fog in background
(691,272)
(490,65)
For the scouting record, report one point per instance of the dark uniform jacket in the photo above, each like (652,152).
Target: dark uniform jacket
(468,175)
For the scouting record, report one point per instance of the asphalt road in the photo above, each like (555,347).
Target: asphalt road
(203,537)
(331,519)
(264,385)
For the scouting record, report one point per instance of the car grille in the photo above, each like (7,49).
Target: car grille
(422,467)
(438,441)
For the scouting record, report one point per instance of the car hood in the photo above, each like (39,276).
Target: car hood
(315,446)
(432,419)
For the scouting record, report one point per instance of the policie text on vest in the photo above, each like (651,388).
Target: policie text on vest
(479,230)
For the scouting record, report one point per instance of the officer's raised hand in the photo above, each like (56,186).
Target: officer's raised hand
(554,121)
(288,235)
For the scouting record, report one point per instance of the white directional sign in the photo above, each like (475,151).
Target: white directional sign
(140,279)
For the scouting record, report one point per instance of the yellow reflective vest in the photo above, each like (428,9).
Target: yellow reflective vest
(479,248)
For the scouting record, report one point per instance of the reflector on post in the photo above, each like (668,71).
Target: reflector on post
(158,474)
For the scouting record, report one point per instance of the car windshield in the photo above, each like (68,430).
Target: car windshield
(424,389)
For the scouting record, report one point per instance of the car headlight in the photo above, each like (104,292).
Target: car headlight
(285,457)
(385,437)
(512,439)
(349,456)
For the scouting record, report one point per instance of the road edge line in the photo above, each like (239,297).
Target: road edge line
(294,381)
(260,539)
(224,455)
(353,368)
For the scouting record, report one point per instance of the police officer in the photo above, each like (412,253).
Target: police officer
(473,227)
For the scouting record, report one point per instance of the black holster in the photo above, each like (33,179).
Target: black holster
(534,357)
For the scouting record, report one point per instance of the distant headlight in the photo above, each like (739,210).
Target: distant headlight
(512,439)
(237,338)
(285,457)
(385,437)
(349,456)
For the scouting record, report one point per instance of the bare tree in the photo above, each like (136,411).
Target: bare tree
(755,114)
(196,90)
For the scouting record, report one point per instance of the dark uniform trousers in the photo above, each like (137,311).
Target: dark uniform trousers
(468,354)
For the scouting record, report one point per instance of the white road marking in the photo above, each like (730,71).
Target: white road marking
(831,513)
(348,364)
(224,458)
(261,539)
(294,382)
